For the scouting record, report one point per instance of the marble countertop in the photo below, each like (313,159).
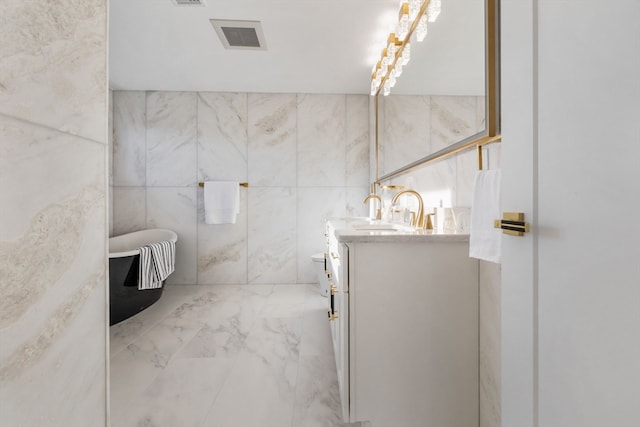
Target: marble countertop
(363,230)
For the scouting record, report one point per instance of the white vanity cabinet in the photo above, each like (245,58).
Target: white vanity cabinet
(338,314)
(405,328)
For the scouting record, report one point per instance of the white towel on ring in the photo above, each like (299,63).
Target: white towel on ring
(221,202)
(485,242)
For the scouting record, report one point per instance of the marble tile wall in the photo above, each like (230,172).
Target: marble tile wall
(306,158)
(405,130)
(53,215)
(414,126)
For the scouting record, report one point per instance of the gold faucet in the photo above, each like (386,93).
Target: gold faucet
(374,196)
(418,220)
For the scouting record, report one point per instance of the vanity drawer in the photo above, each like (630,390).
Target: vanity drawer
(334,257)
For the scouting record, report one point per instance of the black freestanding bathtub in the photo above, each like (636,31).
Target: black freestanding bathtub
(125,300)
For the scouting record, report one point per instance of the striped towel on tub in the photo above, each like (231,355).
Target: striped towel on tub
(157,262)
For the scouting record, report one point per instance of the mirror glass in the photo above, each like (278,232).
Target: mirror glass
(439,99)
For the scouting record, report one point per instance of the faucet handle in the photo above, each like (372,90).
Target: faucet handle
(428,222)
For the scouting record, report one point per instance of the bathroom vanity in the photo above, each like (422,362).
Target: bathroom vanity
(404,323)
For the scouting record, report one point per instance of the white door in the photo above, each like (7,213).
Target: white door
(571,163)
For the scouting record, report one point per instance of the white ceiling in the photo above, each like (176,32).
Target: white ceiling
(313,46)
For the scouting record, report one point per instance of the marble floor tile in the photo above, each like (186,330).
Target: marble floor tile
(127,331)
(225,356)
(241,304)
(180,396)
(139,363)
(317,399)
(285,301)
(260,388)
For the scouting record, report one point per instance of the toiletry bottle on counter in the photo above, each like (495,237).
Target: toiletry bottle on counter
(439,224)
(445,220)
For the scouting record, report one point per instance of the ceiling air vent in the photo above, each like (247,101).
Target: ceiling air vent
(189,2)
(240,34)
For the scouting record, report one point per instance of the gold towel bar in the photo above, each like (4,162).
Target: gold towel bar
(242,184)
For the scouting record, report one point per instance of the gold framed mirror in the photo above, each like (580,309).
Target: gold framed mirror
(447,99)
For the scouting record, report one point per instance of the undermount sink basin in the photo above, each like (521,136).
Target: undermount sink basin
(379,226)
(374,227)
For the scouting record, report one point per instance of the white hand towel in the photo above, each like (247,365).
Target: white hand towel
(485,242)
(221,202)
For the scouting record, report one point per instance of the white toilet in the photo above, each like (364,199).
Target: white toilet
(318,265)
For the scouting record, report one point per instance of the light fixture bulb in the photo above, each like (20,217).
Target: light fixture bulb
(433,10)
(391,57)
(392,79)
(403,27)
(421,28)
(406,54)
(384,62)
(392,45)
(398,68)
(391,49)
(414,8)
(386,90)
(403,21)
